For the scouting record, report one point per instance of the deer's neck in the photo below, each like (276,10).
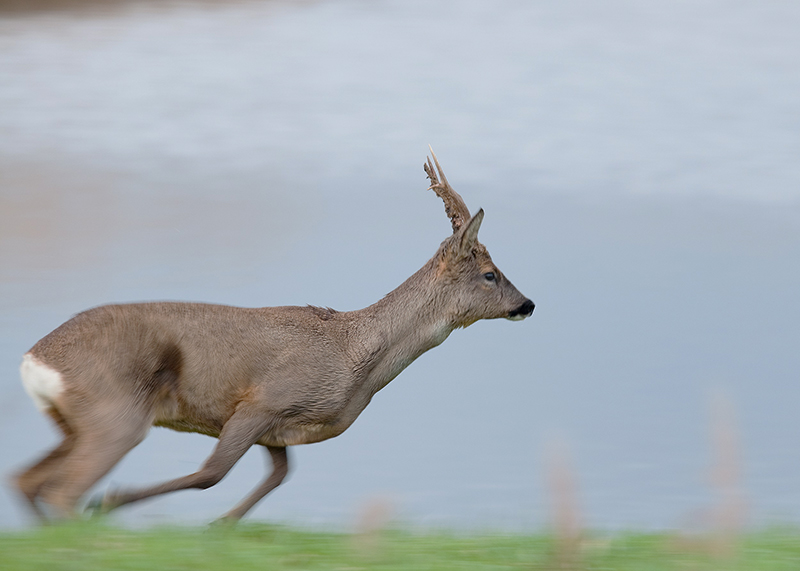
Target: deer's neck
(402,326)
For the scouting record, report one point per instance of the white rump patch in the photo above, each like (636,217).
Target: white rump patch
(43,383)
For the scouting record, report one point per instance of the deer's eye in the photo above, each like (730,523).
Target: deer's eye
(489,276)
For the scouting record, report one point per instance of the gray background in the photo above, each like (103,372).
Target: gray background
(638,164)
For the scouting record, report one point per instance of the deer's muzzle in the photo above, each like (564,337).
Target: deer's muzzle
(523,311)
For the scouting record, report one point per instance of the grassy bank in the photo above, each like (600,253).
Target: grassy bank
(90,546)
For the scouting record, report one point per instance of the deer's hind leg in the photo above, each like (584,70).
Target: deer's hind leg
(100,441)
(32,480)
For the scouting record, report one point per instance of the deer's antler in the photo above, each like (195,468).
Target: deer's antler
(453,203)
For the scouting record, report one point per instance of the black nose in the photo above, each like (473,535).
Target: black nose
(525,309)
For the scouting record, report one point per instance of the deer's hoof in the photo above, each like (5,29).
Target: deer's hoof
(224,522)
(100,505)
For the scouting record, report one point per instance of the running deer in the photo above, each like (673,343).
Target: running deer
(272,376)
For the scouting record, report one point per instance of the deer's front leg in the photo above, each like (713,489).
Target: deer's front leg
(280,467)
(241,431)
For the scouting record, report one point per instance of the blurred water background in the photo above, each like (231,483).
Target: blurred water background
(638,164)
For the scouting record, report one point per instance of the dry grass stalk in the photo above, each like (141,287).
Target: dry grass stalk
(565,516)
(724,521)
(729,514)
(372,520)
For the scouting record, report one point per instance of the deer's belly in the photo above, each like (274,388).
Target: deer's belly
(303,434)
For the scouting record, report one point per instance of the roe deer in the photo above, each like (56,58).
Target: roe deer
(273,376)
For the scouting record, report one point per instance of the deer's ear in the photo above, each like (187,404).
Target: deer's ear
(469,233)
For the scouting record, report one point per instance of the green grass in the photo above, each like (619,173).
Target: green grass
(93,546)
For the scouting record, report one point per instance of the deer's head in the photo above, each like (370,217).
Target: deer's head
(473,287)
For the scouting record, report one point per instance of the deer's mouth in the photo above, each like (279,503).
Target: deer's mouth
(523,311)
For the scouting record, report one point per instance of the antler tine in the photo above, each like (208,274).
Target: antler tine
(454,205)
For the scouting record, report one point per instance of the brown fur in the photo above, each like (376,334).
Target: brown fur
(273,376)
